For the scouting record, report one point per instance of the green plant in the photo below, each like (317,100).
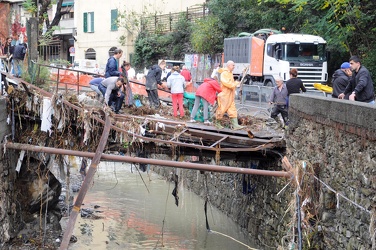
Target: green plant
(37,75)
(30,7)
(206,37)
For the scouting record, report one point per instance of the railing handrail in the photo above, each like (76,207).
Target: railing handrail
(74,70)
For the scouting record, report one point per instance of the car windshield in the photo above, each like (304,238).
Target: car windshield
(303,52)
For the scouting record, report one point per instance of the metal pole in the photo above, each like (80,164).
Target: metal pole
(118,158)
(85,186)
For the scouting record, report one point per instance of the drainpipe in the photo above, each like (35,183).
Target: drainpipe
(164,163)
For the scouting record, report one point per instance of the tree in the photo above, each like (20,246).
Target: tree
(348,27)
(31,6)
(149,48)
(206,36)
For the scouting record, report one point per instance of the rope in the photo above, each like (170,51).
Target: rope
(284,188)
(164,217)
(339,194)
(241,243)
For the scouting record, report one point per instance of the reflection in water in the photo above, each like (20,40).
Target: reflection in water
(132,218)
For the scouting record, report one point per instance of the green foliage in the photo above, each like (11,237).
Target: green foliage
(149,48)
(61,63)
(347,26)
(344,24)
(206,37)
(30,7)
(180,38)
(37,75)
(369,61)
(48,36)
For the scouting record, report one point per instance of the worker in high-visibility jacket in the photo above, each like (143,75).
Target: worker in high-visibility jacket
(226,99)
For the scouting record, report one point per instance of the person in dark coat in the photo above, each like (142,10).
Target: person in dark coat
(294,85)
(112,66)
(361,84)
(8,51)
(340,80)
(18,56)
(152,79)
(127,88)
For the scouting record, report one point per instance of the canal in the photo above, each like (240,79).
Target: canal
(135,210)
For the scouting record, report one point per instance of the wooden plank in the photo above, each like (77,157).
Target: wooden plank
(224,138)
(212,136)
(176,136)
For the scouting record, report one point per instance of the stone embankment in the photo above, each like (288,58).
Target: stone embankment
(331,145)
(338,139)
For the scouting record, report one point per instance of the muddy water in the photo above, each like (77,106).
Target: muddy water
(134,215)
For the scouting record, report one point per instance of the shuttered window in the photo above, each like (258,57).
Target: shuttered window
(114,16)
(88,22)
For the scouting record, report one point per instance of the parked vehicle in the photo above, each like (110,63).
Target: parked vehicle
(267,52)
(169,65)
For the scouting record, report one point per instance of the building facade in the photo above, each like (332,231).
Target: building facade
(97,32)
(13,21)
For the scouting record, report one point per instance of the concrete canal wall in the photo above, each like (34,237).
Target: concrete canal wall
(250,200)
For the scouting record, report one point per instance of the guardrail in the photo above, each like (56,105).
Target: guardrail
(66,78)
(255,99)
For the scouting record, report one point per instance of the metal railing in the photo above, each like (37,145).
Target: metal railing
(254,99)
(167,22)
(63,78)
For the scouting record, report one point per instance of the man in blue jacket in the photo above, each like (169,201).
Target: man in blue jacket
(18,56)
(361,84)
(341,79)
(112,66)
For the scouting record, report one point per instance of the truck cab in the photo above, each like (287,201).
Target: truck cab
(265,54)
(306,53)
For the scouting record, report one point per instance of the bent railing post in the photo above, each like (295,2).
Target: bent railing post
(85,186)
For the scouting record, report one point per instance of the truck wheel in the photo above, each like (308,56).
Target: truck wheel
(265,97)
(269,84)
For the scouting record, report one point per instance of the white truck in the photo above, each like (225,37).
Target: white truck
(267,53)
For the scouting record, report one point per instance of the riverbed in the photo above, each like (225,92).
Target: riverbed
(135,210)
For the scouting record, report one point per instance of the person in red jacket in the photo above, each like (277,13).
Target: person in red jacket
(185,72)
(207,92)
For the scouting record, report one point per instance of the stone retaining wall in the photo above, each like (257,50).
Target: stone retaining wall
(332,143)
(338,138)
(251,201)
(9,207)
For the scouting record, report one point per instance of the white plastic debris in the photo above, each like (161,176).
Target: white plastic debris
(46,115)
(142,130)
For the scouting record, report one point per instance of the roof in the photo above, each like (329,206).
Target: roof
(293,38)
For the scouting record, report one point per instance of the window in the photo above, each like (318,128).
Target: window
(131,58)
(114,16)
(69,15)
(88,22)
(90,54)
